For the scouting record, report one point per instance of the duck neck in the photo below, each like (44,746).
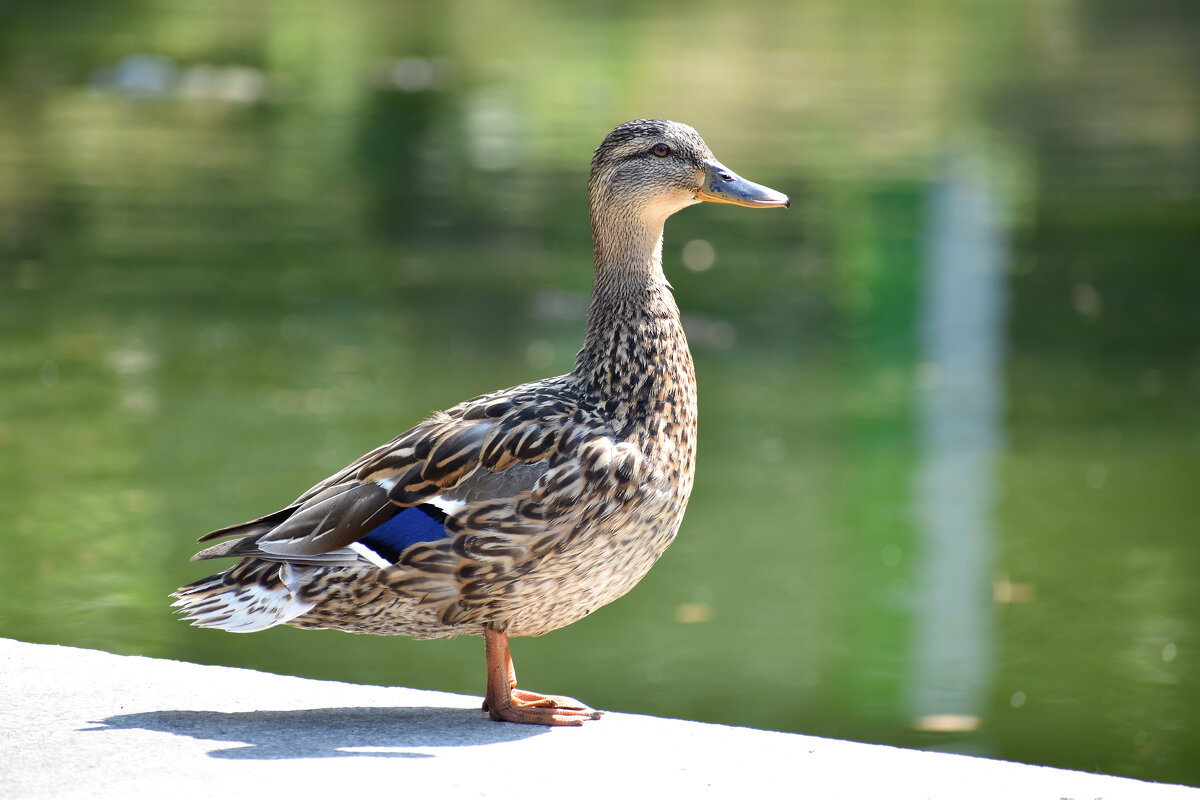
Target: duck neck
(635,345)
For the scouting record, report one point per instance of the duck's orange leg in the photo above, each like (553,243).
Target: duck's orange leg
(504,701)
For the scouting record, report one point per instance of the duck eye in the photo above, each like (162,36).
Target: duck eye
(662,149)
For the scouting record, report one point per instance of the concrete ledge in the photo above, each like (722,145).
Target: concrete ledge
(82,723)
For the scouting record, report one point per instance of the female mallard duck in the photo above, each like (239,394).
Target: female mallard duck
(520,511)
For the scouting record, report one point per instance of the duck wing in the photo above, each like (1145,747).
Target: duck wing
(488,450)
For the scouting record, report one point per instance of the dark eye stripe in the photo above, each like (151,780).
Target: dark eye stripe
(634,155)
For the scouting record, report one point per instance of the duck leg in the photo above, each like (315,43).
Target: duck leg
(504,701)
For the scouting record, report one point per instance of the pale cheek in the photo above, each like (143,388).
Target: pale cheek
(665,205)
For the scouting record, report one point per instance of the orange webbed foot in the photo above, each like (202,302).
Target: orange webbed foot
(504,702)
(532,708)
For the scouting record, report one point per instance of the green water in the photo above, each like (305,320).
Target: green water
(226,274)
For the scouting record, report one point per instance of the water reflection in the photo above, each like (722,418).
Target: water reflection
(144,76)
(960,406)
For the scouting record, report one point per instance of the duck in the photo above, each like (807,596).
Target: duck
(523,510)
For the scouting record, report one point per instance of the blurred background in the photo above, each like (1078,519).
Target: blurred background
(947,494)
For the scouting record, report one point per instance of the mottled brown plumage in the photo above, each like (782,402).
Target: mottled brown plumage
(520,511)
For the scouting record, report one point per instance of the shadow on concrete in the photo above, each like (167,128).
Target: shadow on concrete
(327,732)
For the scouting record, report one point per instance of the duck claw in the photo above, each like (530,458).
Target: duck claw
(539,709)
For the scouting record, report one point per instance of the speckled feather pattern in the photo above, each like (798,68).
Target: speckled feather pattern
(563,492)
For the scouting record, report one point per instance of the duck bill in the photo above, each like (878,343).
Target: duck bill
(723,185)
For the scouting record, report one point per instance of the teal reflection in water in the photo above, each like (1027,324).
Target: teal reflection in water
(237,249)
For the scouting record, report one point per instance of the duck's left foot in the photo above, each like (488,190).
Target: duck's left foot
(504,702)
(519,705)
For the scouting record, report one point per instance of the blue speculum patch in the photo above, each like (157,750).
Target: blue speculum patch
(423,523)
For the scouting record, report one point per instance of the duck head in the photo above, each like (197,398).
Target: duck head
(647,169)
